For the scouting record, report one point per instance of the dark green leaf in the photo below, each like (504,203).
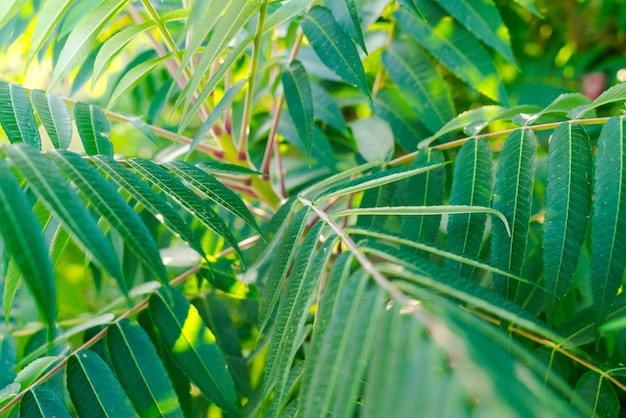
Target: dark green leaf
(299,100)
(93,128)
(8,358)
(616,93)
(326,109)
(41,402)
(599,394)
(55,117)
(16,115)
(346,14)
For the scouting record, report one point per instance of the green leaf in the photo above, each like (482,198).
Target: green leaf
(193,347)
(226,169)
(8,358)
(478,117)
(285,12)
(34,370)
(512,196)
(410,4)
(94,390)
(471,185)
(562,105)
(44,179)
(346,14)
(453,47)
(48,17)
(616,93)
(42,402)
(141,371)
(530,6)
(23,239)
(133,76)
(111,206)
(608,243)
(213,189)
(334,47)
(10,285)
(420,84)
(599,394)
(154,203)
(326,109)
(16,115)
(374,138)
(568,206)
(93,128)
(482,19)
(78,44)
(299,100)
(54,116)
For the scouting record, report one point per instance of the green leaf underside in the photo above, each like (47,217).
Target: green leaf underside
(93,128)
(568,206)
(16,115)
(55,117)
(599,394)
(299,100)
(193,347)
(476,118)
(608,242)
(42,402)
(374,138)
(471,185)
(512,196)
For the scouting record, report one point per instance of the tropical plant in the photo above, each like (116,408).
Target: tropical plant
(360,247)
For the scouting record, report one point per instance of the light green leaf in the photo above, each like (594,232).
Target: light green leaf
(608,243)
(512,196)
(55,117)
(144,128)
(471,185)
(530,6)
(374,138)
(78,44)
(16,115)
(453,47)
(141,371)
(34,370)
(226,169)
(616,93)
(334,47)
(346,14)
(42,402)
(44,179)
(94,390)
(299,99)
(480,116)
(192,345)
(599,394)
(568,206)
(111,206)
(482,19)
(133,76)
(93,128)
(8,10)
(23,239)
(10,285)
(48,17)
(561,105)
(420,84)
(284,13)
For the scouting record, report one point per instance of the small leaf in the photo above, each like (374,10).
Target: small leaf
(55,117)
(599,394)
(94,390)
(374,138)
(93,128)
(193,347)
(16,115)
(334,47)
(299,100)
(41,402)
(346,14)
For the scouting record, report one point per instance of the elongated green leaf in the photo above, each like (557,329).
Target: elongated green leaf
(41,402)
(374,138)
(141,372)
(473,117)
(334,47)
(185,197)
(453,47)
(299,100)
(599,394)
(110,204)
(8,10)
(16,115)
(293,381)
(280,266)
(513,192)
(50,187)
(568,206)
(226,169)
(346,14)
(48,17)
(616,93)
(608,243)
(23,239)
(78,44)
(561,105)
(33,371)
(272,231)
(11,281)
(133,76)
(326,109)
(471,185)
(213,189)
(285,12)
(419,82)
(410,4)
(149,199)
(482,19)
(530,6)
(93,128)
(55,117)
(94,390)
(193,347)
(8,358)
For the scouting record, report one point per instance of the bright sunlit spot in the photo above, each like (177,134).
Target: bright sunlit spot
(621,75)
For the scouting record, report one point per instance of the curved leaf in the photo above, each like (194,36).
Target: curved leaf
(299,100)
(41,402)
(93,128)
(16,115)
(568,206)
(346,14)
(55,117)
(616,93)
(561,105)
(478,117)
(334,47)
(133,76)
(49,16)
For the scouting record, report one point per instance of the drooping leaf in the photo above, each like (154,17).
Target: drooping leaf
(141,372)
(54,116)
(608,243)
(471,185)
(561,105)
(49,16)
(568,206)
(512,196)
(111,206)
(374,138)
(23,239)
(44,179)
(453,47)
(93,128)
(16,115)
(616,93)
(420,84)
(334,47)
(94,390)
(42,402)
(193,347)
(346,14)
(599,394)
(299,100)
(479,116)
